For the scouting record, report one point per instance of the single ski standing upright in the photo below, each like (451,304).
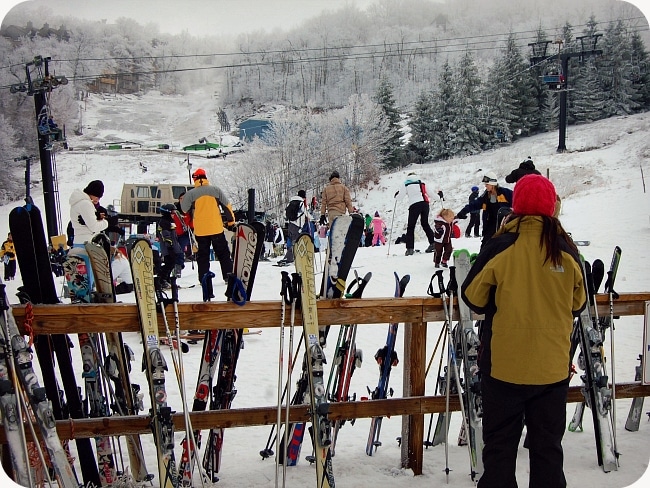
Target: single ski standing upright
(315,359)
(468,341)
(386,357)
(142,267)
(598,395)
(344,239)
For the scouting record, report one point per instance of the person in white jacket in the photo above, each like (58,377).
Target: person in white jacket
(86,222)
(418,199)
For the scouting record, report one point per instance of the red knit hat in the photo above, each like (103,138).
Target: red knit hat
(199,173)
(534,195)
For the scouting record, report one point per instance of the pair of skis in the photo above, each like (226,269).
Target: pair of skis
(462,358)
(221,349)
(589,333)
(347,358)
(386,358)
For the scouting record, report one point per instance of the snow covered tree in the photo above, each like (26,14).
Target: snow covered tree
(392,151)
(466,126)
(422,126)
(443,128)
(639,73)
(615,68)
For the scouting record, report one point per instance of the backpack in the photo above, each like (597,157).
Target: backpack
(293,210)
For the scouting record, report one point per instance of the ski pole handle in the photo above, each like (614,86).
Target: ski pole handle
(286,292)
(441,283)
(453,284)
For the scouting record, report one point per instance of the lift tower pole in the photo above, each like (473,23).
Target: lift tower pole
(560,81)
(39,87)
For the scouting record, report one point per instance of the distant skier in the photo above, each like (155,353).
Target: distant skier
(8,255)
(335,199)
(418,198)
(492,201)
(474,216)
(378,228)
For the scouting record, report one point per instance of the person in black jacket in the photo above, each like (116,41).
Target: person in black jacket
(474,216)
(495,203)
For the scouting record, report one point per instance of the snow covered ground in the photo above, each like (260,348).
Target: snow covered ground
(604,201)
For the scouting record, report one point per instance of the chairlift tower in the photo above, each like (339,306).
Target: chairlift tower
(39,87)
(560,81)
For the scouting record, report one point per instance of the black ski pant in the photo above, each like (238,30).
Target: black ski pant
(293,233)
(10,270)
(504,407)
(474,223)
(221,251)
(419,210)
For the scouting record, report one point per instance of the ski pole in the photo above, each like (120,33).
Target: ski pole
(292,359)
(451,362)
(267,451)
(285,293)
(612,295)
(392,221)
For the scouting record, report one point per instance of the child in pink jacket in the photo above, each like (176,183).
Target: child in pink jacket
(378,227)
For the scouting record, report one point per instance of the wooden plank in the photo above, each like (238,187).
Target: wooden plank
(246,417)
(122,317)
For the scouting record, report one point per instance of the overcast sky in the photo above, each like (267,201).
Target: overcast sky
(199,17)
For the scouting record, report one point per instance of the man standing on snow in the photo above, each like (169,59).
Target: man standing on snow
(335,199)
(203,201)
(295,226)
(418,199)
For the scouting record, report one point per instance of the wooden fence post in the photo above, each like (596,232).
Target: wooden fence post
(415,349)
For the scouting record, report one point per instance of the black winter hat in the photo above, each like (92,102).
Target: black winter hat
(302,194)
(526,167)
(95,188)
(335,174)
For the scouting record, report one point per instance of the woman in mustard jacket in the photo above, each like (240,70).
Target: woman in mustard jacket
(528,282)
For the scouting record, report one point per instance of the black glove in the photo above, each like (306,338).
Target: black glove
(440,194)
(10,254)
(461,215)
(100,212)
(231,226)
(112,220)
(321,221)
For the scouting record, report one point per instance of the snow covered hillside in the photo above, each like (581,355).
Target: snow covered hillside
(604,201)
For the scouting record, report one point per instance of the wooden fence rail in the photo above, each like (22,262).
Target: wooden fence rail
(415,312)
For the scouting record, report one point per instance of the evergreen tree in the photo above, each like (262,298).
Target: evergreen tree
(392,150)
(615,68)
(422,126)
(640,75)
(443,133)
(466,126)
